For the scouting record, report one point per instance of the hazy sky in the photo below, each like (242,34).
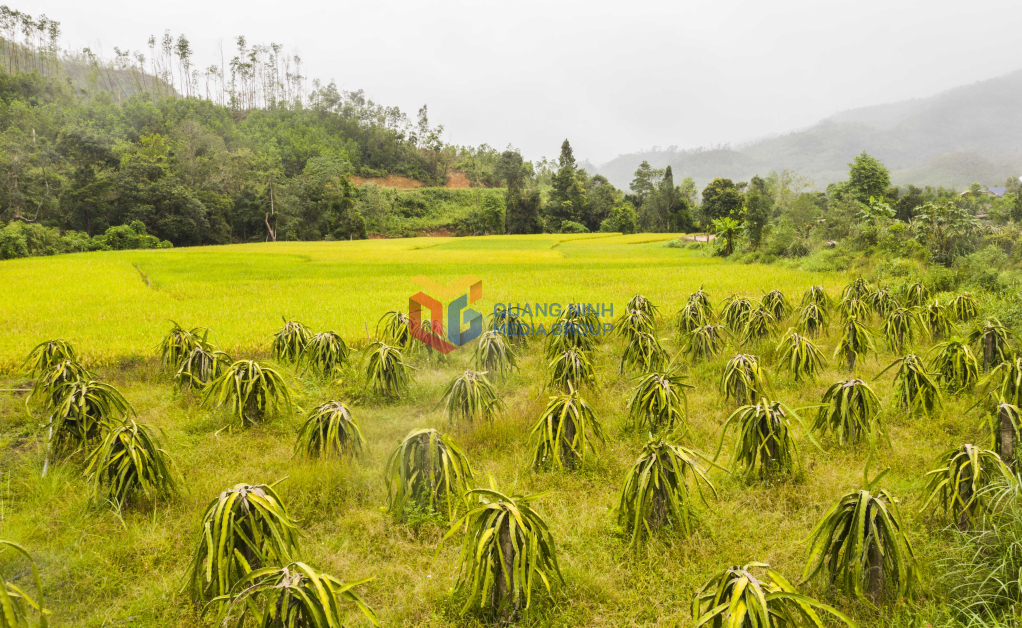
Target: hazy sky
(613,77)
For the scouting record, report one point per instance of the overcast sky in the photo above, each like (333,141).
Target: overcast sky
(613,77)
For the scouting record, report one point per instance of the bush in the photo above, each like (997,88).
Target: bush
(570,226)
(623,219)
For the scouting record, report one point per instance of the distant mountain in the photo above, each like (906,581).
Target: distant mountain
(970,133)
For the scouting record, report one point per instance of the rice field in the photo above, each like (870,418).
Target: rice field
(118,304)
(102,568)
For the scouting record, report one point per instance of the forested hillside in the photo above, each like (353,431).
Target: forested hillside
(968,134)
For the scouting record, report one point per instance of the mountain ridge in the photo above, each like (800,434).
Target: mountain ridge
(960,135)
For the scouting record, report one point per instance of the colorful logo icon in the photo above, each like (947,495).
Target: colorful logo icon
(463,323)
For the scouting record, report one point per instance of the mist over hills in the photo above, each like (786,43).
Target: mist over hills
(966,134)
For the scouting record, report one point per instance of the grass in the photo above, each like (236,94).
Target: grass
(100,568)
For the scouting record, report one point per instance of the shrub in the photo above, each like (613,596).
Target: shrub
(644,353)
(659,402)
(701,300)
(507,551)
(396,330)
(862,547)
(856,341)
(510,323)
(776,303)
(657,493)
(82,410)
(763,439)
(130,461)
(565,431)
(16,606)
(816,295)
(203,365)
(964,307)
(759,324)
(914,387)
(570,226)
(495,354)
(571,370)
(800,356)
(47,354)
(936,319)
(743,381)
(290,341)
(244,529)
(634,322)
(330,430)
(250,389)
(385,370)
(883,302)
(427,470)
(813,319)
(471,397)
(736,598)
(849,409)
(959,485)
(917,294)
(704,342)
(993,340)
(955,365)
(691,317)
(325,353)
(295,595)
(179,343)
(900,326)
(644,305)
(735,312)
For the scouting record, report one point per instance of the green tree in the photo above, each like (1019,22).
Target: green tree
(759,205)
(867,177)
(645,181)
(722,199)
(622,219)
(568,197)
(522,213)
